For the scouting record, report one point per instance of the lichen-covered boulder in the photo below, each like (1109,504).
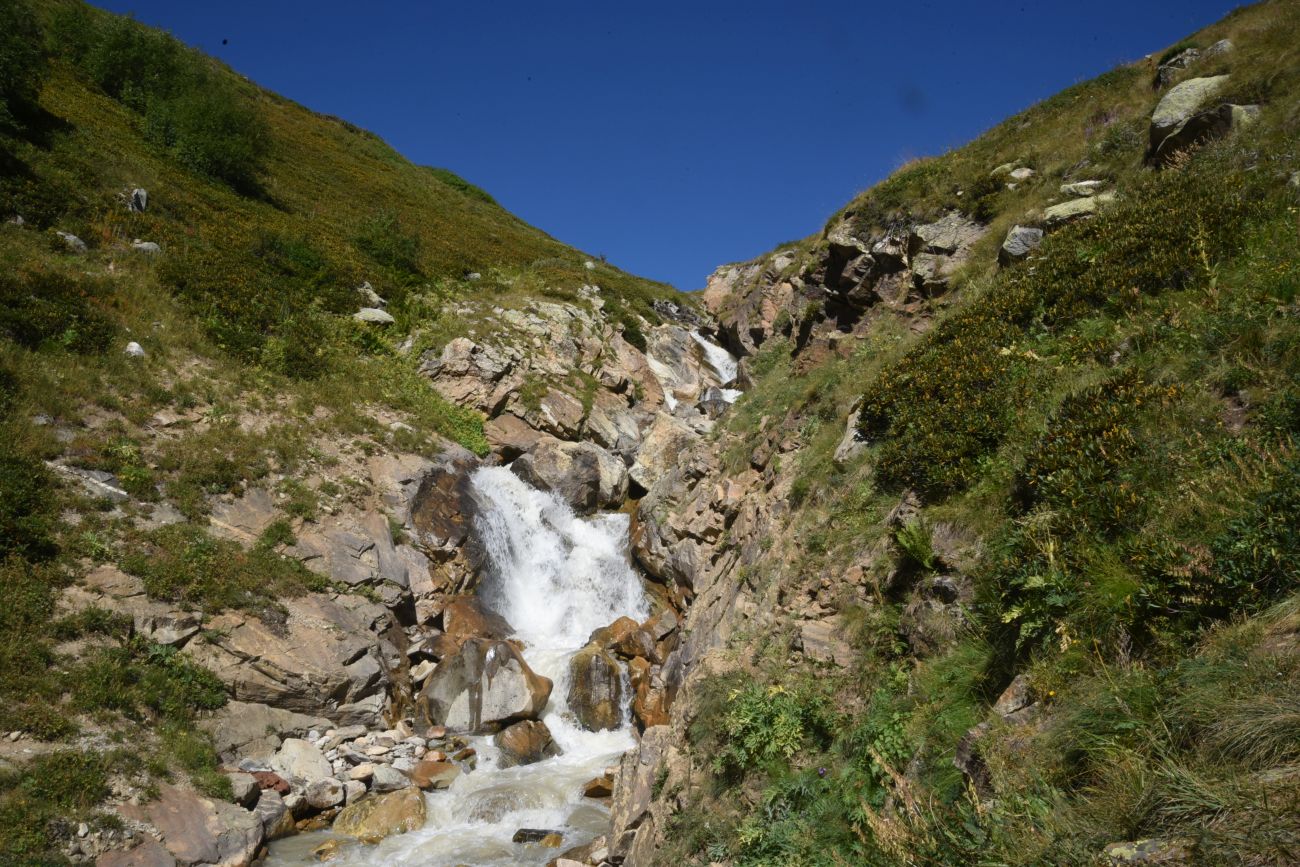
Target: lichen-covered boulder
(375,817)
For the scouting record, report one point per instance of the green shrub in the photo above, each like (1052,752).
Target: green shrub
(456,182)
(205,123)
(51,308)
(27,506)
(383,238)
(182,563)
(22,62)
(1077,468)
(950,401)
(211,131)
(139,679)
(40,803)
(763,725)
(28,695)
(265,300)
(130,62)
(913,539)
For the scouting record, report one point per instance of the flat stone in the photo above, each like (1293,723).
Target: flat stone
(374,316)
(302,760)
(1076,209)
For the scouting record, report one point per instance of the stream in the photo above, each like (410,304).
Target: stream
(555,578)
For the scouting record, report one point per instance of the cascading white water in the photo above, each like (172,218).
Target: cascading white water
(555,577)
(724,364)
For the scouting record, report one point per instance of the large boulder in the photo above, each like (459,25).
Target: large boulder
(582,474)
(596,689)
(442,507)
(947,236)
(301,761)
(1182,102)
(468,373)
(468,617)
(510,436)
(1175,124)
(484,685)
(1202,126)
(1019,243)
(327,658)
(375,817)
(198,830)
(524,743)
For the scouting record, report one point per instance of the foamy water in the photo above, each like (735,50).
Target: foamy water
(555,577)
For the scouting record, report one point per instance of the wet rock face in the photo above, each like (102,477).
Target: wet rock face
(596,689)
(524,743)
(486,684)
(443,507)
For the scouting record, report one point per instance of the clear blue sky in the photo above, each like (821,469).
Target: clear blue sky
(674,137)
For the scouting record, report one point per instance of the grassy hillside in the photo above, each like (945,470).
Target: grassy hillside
(267,218)
(1115,420)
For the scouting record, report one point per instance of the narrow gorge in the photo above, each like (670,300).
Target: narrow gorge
(346,518)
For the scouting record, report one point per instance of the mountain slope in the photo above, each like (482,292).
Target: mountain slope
(1008,555)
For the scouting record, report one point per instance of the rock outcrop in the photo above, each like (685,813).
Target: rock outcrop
(583,474)
(329,657)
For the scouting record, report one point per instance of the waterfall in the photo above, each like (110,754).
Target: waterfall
(555,577)
(724,365)
(723,362)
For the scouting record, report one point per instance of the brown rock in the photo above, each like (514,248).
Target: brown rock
(271,780)
(596,689)
(443,505)
(467,617)
(625,637)
(510,436)
(650,700)
(541,836)
(525,743)
(150,853)
(199,830)
(600,787)
(582,474)
(327,658)
(433,774)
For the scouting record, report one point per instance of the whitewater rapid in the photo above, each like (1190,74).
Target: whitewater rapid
(555,577)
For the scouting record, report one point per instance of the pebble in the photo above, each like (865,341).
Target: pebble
(15,736)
